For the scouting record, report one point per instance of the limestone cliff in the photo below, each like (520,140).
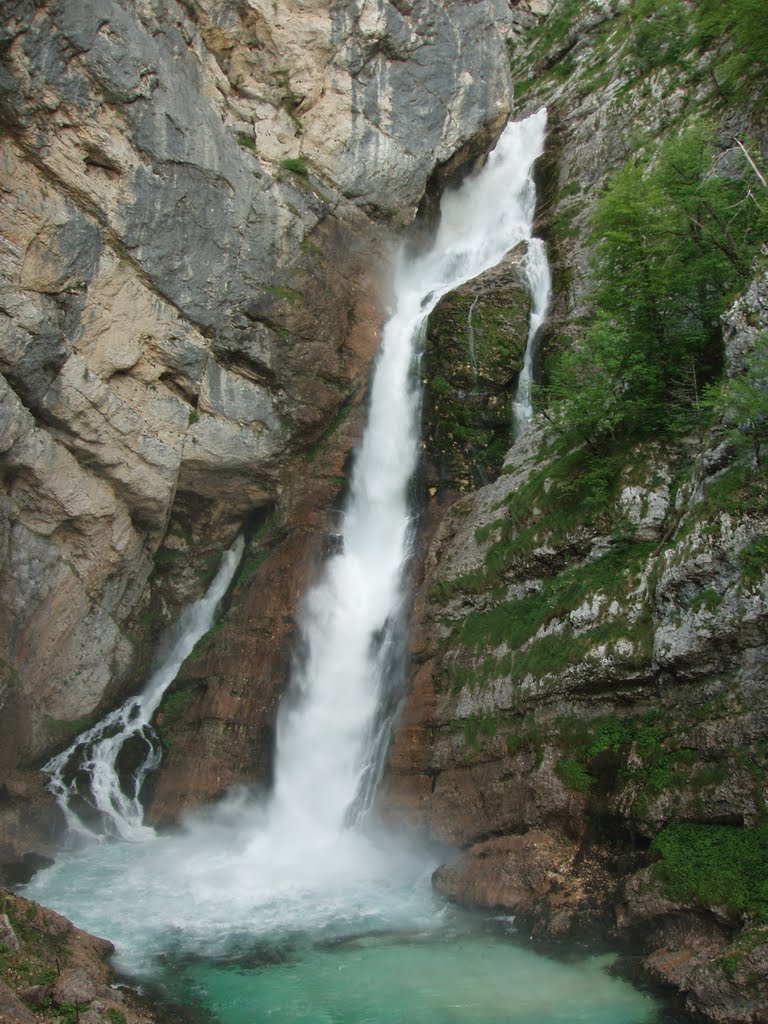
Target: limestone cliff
(196,209)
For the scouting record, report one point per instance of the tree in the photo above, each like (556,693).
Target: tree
(674,241)
(742,401)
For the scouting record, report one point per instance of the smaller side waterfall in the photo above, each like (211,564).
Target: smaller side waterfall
(540,283)
(88,769)
(471,342)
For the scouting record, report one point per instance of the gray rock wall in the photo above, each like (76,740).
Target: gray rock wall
(180,314)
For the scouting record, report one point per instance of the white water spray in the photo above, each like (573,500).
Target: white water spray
(540,282)
(348,627)
(243,870)
(94,755)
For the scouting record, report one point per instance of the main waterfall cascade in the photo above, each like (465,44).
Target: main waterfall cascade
(245,889)
(348,624)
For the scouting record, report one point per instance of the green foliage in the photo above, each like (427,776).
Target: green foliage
(674,243)
(60,729)
(514,622)
(715,865)
(69,1012)
(709,599)
(753,559)
(246,141)
(573,775)
(172,710)
(737,31)
(257,550)
(342,415)
(475,728)
(742,401)
(660,32)
(296,165)
(552,30)
(284,293)
(115,1016)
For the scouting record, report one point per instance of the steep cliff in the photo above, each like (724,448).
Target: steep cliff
(588,713)
(197,201)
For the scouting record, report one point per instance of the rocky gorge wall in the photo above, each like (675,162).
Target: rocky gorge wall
(198,204)
(200,200)
(588,714)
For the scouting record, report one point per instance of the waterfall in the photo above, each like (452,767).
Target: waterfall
(540,283)
(92,761)
(246,871)
(349,625)
(471,342)
(331,733)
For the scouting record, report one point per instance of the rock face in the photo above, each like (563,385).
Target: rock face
(589,657)
(473,355)
(193,242)
(49,966)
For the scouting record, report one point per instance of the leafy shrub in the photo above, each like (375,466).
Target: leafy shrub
(753,559)
(715,865)
(573,775)
(674,244)
(295,164)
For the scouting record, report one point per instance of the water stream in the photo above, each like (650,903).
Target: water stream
(87,774)
(299,909)
(540,282)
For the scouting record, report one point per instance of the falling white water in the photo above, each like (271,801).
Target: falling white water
(94,754)
(243,870)
(347,627)
(540,283)
(471,341)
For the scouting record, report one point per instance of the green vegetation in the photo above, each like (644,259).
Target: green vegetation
(742,401)
(296,165)
(473,350)
(172,710)
(753,560)
(660,33)
(341,417)
(281,291)
(737,34)
(246,141)
(69,1012)
(709,599)
(514,622)
(715,865)
(573,775)
(259,545)
(60,730)
(674,243)
(115,1016)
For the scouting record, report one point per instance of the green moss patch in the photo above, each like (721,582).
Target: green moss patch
(715,865)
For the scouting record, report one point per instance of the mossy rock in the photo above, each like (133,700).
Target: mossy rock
(474,351)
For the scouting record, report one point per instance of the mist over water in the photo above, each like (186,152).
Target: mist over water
(306,879)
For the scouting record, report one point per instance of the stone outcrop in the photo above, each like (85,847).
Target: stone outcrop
(197,201)
(473,355)
(50,967)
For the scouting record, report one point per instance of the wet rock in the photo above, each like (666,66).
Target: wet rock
(73,969)
(169,292)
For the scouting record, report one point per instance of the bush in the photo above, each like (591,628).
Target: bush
(715,865)
(295,164)
(674,244)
